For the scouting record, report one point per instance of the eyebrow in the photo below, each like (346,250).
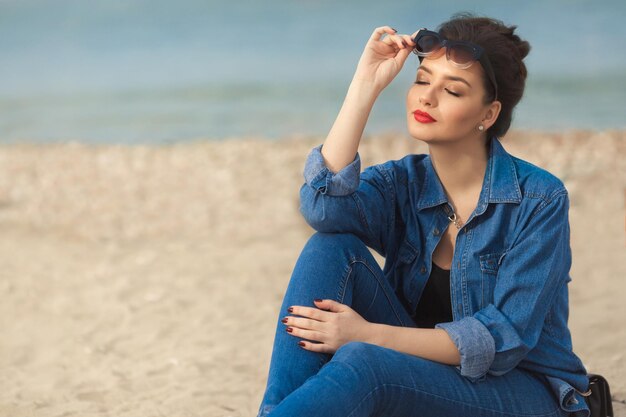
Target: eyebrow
(447,77)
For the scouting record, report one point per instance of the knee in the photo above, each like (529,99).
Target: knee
(335,243)
(359,354)
(358,363)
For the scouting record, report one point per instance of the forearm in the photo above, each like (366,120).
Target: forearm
(343,140)
(432,344)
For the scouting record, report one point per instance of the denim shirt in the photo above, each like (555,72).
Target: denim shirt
(510,267)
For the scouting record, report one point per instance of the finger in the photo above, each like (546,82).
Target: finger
(316,347)
(300,323)
(394,40)
(306,334)
(408,39)
(331,305)
(402,55)
(310,312)
(378,32)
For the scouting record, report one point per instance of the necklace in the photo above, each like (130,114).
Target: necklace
(454,218)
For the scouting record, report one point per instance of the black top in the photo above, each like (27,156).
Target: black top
(434,305)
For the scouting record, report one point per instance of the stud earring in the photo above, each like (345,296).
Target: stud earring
(481,127)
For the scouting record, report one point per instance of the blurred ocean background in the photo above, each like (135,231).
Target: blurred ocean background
(156,71)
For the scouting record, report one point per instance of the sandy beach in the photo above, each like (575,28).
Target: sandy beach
(146,280)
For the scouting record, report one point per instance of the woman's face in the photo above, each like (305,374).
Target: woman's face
(453,97)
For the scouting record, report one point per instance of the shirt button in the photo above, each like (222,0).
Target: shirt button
(436,232)
(423,270)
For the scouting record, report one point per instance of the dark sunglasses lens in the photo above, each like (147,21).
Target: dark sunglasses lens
(427,43)
(461,54)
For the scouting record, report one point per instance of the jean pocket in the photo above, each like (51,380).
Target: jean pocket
(489,264)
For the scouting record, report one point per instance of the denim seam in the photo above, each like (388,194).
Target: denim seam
(514,175)
(344,280)
(554,413)
(342,283)
(545,203)
(488,275)
(546,200)
(486,189)
(362,216)
(548,322)
(391,220)
(467,244)
(426,204)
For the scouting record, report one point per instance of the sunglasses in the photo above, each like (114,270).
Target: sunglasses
(461,54)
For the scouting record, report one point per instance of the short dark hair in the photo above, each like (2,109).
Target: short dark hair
(505,51)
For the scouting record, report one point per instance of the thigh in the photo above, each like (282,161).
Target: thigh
(339,266)
(392,383)
(365,288)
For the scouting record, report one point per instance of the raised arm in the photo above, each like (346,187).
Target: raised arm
(336,198)
(381,61)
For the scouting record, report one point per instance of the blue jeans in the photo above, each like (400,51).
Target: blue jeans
(363,379)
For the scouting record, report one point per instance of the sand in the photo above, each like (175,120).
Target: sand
(146,280)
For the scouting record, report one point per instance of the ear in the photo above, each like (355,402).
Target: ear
(492,113)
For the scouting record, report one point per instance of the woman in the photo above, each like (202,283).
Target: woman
(469,315)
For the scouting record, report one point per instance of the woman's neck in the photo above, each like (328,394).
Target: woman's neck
(460,167)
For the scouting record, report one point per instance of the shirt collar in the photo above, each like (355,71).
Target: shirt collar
(500,184)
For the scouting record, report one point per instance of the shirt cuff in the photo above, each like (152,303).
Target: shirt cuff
(318,176)
(475,344)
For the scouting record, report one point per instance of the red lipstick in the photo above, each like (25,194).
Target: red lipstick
(423,117)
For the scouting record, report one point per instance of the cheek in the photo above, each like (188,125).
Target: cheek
(412,99)
(461,113)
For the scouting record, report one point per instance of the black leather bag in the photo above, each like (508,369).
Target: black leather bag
(598,398)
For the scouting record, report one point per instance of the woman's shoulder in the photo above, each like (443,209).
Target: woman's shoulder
(535,181)
(408,169)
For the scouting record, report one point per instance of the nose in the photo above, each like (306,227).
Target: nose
(427,97)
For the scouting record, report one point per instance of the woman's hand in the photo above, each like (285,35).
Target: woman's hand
(383,58)
(331,329)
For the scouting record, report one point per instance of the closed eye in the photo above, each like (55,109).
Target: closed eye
(449,92)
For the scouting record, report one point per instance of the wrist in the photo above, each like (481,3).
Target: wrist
(375,334)
(365,91)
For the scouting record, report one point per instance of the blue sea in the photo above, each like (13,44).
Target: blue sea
(156,71)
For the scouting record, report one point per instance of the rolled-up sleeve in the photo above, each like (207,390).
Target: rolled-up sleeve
(348,201)
(322,179)
(496,338)
(475,344)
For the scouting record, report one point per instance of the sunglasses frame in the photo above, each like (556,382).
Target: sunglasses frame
(478,54)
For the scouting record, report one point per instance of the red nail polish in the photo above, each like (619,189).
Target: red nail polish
(318,300)
(290,309)
(289,329)
(301,344)
(284,320)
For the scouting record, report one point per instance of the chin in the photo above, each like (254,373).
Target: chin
(420,133)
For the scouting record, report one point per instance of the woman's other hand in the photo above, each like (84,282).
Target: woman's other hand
(383,57)
(327,327)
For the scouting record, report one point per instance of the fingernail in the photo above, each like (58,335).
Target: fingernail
(284,320)
(289,329)
(318,300)
(290,309)
(395,30)
(301,344)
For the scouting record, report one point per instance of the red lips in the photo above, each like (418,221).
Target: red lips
(423,117)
